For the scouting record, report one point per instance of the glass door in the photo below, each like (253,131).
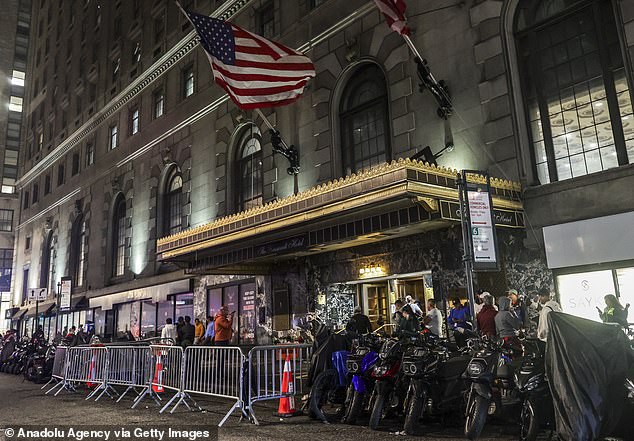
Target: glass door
(376,303)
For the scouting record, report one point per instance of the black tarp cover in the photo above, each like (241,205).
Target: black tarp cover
(586,364)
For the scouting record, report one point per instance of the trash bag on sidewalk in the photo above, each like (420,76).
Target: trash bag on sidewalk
(586,364)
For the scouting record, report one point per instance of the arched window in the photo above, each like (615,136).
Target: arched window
(118,237)
(577,98)
(173,216)
(47,268)
(365,135)
(78,251)
(249,169)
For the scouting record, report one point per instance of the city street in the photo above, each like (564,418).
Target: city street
(25,403)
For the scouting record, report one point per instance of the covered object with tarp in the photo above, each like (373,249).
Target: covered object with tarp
(586,364)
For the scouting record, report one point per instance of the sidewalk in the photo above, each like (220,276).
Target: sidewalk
(24,403)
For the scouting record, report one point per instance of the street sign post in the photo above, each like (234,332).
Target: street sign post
(37,294)
(65,294)
(478,229)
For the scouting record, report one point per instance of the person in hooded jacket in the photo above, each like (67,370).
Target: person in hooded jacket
(507,323)
(486,316)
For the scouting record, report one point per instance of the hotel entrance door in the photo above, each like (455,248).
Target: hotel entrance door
(377,304)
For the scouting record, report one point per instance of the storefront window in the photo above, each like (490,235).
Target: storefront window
(625,277)
(124,311)
(185,305)
(582,293)
(148,319)
(100,322)
(214,301)
(165,311)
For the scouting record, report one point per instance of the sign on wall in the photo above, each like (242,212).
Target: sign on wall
(481,226)
(65,294)
(582,293)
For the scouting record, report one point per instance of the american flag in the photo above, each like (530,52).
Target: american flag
(254,71)
(394,12)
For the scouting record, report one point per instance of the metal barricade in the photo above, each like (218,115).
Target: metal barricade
(266,370)
(166,373)
(129,366)
(58,374)
(215,371)
(89,364)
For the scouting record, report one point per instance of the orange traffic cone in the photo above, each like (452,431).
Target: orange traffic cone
(157,383)
(286,408)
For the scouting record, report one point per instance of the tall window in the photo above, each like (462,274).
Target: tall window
(47,267)
(47,184)
(113,139)
(249,170)
(6,220)
(90,154)
(60,174)
(78,251)
(158,97)
(576,93)
(75,165)
(188,81)
(173,204)
(6,265)
(118,238)
(134,121)
(364,121)
(266,19)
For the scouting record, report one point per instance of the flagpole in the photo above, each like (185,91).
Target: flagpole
(268,124)
(413,48)
(289,153)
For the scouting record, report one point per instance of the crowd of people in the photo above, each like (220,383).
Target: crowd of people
(503,317)
(218,330)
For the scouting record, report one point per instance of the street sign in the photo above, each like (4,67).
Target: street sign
(65,294)
(481,225)
(38,294)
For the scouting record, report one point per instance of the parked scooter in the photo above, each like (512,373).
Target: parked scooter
(360,363)
(40,365)
(491,376)
(436,386)
(537,411)
(390,387)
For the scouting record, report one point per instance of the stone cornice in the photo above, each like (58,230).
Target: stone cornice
(154,72)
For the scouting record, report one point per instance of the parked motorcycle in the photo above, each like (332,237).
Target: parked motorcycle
(40,365)
(360,364)
(436,385)
(390,386)
(490,373)
(328,393)
(537,411)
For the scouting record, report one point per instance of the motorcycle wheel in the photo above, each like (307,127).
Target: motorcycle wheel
(30,374)
(414,412)
(477,410)
(377,410)
(325,383)
(529,421)
(354,407)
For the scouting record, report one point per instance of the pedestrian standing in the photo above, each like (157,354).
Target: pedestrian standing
(199,332)
(412,303)
(486,317)
(187,333)
(458,319)
(168,333)
(359,322)
(433,318)
(209,332)
(548,306)
(179,330)
(223,327)
(614,312)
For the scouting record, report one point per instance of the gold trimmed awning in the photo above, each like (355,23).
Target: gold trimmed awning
(396,199)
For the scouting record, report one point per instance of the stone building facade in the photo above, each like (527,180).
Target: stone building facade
(128,140)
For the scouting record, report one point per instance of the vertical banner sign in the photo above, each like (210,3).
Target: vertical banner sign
(481,226)
(247,313)
(65,294)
